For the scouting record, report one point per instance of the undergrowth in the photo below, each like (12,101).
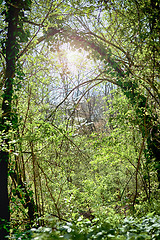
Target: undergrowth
(129,228)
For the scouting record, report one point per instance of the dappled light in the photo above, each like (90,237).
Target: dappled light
(79,120)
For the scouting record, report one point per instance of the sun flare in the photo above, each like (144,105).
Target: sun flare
(76,59)
(72,56)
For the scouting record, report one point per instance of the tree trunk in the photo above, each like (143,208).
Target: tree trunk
(7,120)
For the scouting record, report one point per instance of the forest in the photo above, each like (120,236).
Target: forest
(79,119)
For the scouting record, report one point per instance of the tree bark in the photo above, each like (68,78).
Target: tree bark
(7,120)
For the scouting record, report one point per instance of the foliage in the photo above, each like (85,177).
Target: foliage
(129,228)
(74,147)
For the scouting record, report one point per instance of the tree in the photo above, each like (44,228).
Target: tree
(129,47)
(37,136)
(9,118)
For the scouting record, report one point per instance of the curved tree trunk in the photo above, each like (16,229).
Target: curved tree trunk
(131,90)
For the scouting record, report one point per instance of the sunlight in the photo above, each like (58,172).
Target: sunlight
(72,56)
(76,59)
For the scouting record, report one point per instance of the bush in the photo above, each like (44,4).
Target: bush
(147,228)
